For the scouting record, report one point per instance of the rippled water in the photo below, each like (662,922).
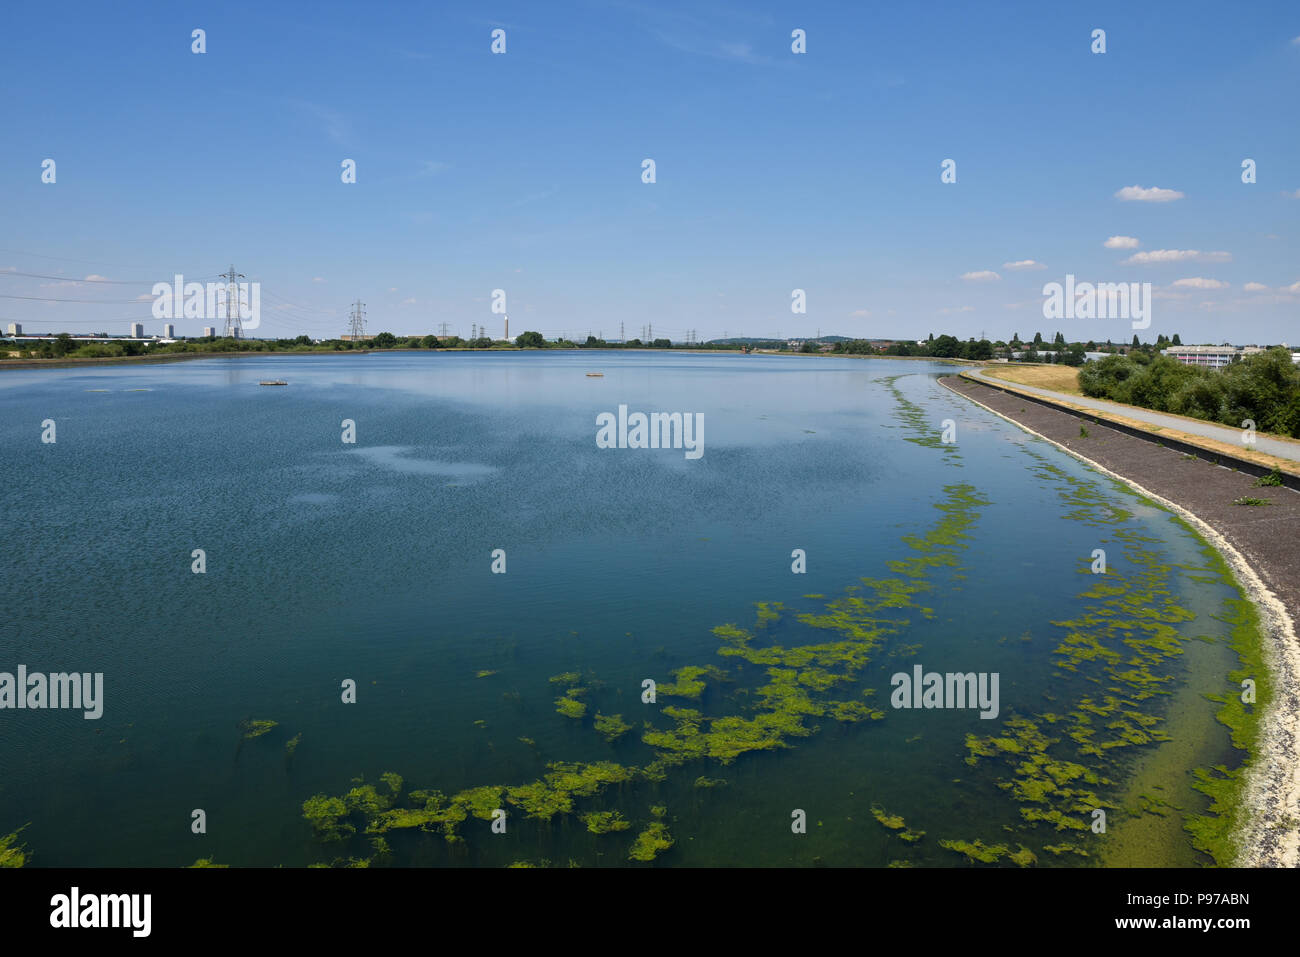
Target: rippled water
(372,561)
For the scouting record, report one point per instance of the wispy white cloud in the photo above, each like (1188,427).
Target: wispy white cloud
(1197,282)
(1153,194)
(1021,264)
(1121,242)
(1177,256)
(1255,287)
(982,275)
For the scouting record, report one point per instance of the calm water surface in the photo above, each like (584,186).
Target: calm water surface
(372,562)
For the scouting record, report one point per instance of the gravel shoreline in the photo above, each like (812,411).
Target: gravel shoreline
(1262,546)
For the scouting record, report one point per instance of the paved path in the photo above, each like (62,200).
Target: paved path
(1209,430)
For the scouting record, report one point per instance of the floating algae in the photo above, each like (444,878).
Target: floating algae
(605,822)
(651,842)
(291,745)
(570,707)
(978,851)
(13,854)
(917,420)
(800,681)
(1126,645)
(207,862)
(255,729)
(892,821)
(612,726)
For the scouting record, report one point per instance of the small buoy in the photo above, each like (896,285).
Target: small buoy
(594,375)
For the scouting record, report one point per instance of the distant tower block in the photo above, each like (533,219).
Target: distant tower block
(210,332)
(15,329)
(137,330)
(169,331)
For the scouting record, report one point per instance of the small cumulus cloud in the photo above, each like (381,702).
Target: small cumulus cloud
(317,279)
(860,313)
(1177,256)
(1255,287)
(1153,194)
(1198,282)
(982,275)
(1121,242)
(1023,264)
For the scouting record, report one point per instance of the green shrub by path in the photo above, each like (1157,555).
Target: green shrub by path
(1264,388)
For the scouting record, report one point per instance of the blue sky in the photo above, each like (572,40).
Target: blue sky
(775,170)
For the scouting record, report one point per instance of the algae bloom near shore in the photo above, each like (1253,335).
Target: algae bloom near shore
(649,685)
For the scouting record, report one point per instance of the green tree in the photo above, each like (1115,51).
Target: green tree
(946,347)
(530,340)
(384,340)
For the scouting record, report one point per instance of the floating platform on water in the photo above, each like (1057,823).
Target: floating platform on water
(273,382)
(595,375)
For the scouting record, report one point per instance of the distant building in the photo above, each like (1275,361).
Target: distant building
(1210,357)
(15,329)
(357,338)
(169,330)
(137,330)
(209,331)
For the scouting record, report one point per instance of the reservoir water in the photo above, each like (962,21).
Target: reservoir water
(327,562)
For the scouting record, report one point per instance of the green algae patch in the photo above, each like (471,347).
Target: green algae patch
(892,821)
(327,816)
(605,822)
(570,707)
(291,745)
(612,726)
(257,728)
(207,862)
(651,842)
(688,683)
(977,851)
(12,853)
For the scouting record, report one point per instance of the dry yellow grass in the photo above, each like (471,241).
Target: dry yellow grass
(1060,378)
